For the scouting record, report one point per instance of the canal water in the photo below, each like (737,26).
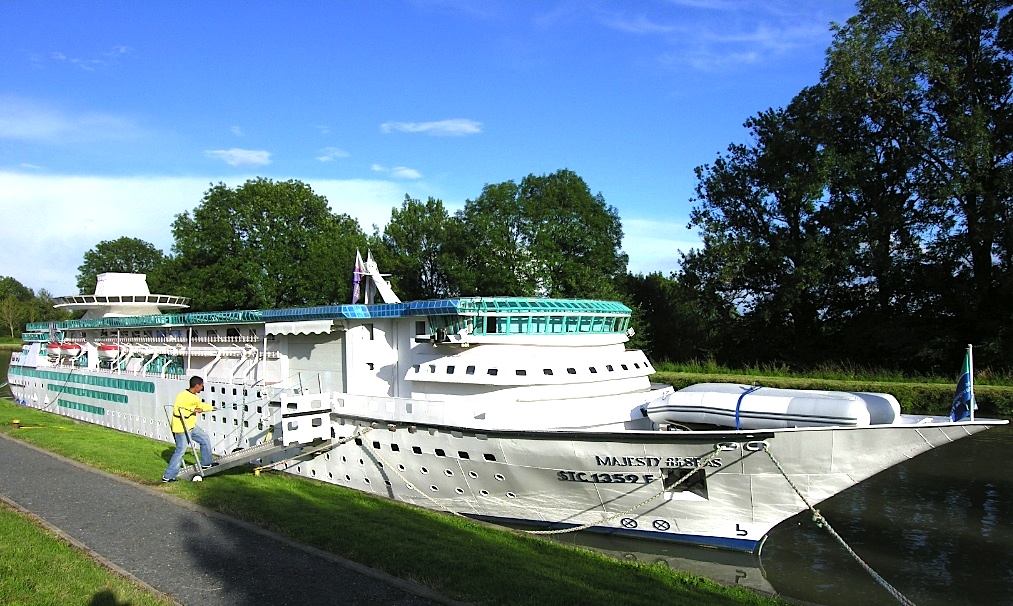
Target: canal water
(939,528)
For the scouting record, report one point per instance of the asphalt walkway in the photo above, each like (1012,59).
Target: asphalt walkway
(192,554)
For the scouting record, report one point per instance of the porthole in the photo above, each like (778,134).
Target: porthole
(571,371)
(511,495)
(434,488)
(521,372)
(593,370)
(416,450)
(366,480)
(463,455)
(484,493)
(472,474)
(459,490)
(489,457)
(395,448)
(401,467)
(348,478)
(499,477)
(361,462)
(440,452)
(424,470)
(448,473)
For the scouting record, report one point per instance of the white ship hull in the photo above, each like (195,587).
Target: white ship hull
(517,413)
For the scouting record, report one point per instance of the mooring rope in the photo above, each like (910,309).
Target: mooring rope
(822,522)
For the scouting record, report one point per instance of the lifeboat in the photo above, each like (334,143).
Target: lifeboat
(750,407)
(53,350)
(70,349)
(108,352)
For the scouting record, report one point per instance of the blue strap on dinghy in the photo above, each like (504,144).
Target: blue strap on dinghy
(738,404)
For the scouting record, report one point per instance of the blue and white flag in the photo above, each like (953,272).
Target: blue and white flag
(963,400)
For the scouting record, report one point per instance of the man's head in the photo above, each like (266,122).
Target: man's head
(196,384)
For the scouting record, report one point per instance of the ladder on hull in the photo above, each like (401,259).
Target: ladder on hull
(244,456)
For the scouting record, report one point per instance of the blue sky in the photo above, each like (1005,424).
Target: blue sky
(116,116)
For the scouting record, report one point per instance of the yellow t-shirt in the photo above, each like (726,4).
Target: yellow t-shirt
(188,405)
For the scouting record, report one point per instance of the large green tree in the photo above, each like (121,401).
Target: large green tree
(414,240)
(123,255)
(764,250)
(264,244)
(927,87)
(547,236)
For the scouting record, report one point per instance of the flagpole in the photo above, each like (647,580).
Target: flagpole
(970,378)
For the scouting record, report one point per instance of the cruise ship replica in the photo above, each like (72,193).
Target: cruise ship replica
(529,411)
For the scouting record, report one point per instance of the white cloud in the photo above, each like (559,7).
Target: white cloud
(23,119)
(328,154)
(81,211)
(236,130)
(398,172)
(457,127)
(241,157)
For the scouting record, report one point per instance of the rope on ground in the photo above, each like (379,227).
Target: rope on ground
(822,522)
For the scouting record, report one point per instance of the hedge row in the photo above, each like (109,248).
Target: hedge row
(914,398)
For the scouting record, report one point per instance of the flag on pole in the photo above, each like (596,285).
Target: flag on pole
(357,273)
(963,400)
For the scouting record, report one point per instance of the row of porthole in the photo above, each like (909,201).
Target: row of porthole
(521,372)
(410,486)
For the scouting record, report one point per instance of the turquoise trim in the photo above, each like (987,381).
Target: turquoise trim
(66,377)
(95,410)
(89,393)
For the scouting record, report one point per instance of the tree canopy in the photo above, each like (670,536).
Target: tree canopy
(264,244)
(547,236)
(124,255)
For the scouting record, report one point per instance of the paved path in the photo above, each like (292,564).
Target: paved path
(194,555)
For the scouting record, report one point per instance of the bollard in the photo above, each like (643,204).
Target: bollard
(16,423)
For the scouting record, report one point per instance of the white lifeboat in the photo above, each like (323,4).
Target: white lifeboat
(108,352)
(70,349)
(53,350)
(746,407)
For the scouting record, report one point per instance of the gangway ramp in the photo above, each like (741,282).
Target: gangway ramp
(249,455)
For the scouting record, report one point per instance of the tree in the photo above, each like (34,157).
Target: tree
(264,244)
(13,313)
(9,287)
(933,83)
(764,249)
(548,236)
(124,255)
(415,239)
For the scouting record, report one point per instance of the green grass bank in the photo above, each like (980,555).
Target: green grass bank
(457,557)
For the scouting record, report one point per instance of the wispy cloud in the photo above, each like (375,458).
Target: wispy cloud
(329,154)
(457,127)
(236,130)
(241,157)
(90,64)
(28,120)
(713,35)
(398,172)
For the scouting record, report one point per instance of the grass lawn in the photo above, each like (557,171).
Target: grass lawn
(457,557)
(28,550)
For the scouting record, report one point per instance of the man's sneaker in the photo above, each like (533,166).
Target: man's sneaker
(167,480)
(213,464)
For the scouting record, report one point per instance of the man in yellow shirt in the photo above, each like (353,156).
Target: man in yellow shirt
(184,422)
